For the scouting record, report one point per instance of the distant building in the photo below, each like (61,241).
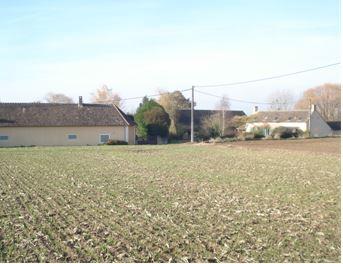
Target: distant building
(46,124)
(184,119)
(305,120)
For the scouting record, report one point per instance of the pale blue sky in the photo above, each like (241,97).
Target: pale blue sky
(138,47)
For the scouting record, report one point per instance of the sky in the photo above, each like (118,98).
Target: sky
(139,47)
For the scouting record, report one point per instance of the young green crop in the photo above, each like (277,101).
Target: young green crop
(180,203)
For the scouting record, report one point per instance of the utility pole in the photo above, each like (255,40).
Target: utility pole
(309,119)
(192,116)
(223,125)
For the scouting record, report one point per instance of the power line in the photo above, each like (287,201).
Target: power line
(235,100)
(270,78)
(152,95)
(238,83)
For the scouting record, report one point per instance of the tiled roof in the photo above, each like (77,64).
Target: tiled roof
(47,114)
(281,116)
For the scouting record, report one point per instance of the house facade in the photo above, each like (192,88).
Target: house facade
(305,120)
(45,124)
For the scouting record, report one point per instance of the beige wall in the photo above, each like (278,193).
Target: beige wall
(132,135)
(58,136)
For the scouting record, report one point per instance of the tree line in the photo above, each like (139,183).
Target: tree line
(326,97)
(159,117)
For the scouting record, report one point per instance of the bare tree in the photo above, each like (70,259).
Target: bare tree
(328,99)
(223,105)
(281,100)
(216,124)
(58,98)
(211,126)
(104,95)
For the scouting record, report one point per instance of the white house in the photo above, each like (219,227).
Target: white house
(305,120)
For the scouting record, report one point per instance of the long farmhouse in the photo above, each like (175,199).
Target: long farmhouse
(311,121)
(46,124)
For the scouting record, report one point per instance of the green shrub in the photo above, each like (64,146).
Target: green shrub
(299,133)
(248,136)
(258,132)
(116,142)
(230,139)
(287,132)
(305,134)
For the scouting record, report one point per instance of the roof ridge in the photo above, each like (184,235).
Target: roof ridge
(270,111)
(52,104)
(211,110)
(35,103)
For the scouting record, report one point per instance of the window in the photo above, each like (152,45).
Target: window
(266,131)
(72,137)
(3,137)
(104,138)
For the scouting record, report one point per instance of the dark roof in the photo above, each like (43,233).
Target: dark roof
(184,116)
(335,125)
(47,114)
(280,116)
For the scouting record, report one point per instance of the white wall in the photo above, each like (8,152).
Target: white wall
(272,125)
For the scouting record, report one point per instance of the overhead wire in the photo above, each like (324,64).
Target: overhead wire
(238,83)
(152,95)
(271,77)
(232,99)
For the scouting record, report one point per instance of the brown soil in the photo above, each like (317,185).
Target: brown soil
(320,145)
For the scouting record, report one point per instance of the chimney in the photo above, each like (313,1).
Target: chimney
(80,102)
(313,108)
(255,110)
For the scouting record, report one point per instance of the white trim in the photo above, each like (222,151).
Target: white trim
(104,134)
